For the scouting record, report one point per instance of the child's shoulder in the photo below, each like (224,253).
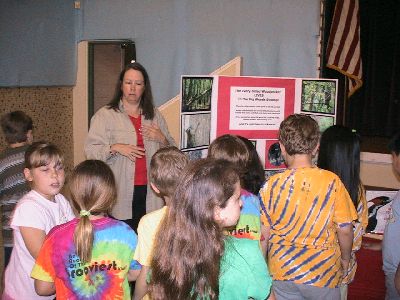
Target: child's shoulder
(112,224)
(60,198)
(154,215)
(62,229)
(119,231)
(29,199)
(250,202)
(309,172)
(241,245)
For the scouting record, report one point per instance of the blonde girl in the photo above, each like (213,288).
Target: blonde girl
(92,255)
(34,216)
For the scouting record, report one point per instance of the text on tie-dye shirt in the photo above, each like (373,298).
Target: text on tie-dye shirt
(104,277)
(249,224)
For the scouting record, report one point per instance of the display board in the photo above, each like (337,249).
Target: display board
(252,107)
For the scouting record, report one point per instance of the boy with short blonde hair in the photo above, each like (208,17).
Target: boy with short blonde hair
(166,168)
(310,214)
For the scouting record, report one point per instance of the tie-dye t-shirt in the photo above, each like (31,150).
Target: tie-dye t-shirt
(304,207)
(249,224)
(104,277)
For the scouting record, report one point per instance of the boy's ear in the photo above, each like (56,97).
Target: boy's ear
(28,175)
(283,149)
(155,189)
(316,149)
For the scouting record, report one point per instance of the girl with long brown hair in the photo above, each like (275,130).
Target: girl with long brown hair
(192,258)
(92,255)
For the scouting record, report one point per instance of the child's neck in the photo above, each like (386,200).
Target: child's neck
(167,200)
(299,161)
(96,217)
(47,197)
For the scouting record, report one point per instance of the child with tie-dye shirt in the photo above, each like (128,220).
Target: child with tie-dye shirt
(231,148)
(90,257)
(310,216)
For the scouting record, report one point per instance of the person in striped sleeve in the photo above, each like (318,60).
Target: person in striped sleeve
(309,213)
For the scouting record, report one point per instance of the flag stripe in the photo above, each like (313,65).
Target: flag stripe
(344,25)
(349,61)
(334,26)
(343,50)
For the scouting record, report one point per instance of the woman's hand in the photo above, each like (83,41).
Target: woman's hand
(130,151)
(154,133)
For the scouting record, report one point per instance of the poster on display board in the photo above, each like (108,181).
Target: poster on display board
(252,107)
(195,119)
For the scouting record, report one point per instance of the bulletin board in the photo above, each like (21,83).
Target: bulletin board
(252,107)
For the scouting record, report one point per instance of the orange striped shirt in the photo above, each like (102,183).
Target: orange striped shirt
(303,207)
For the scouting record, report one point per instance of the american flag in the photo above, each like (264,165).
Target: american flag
(343,51)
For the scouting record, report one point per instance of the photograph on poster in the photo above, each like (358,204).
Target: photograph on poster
(196,154)
(379,209)
(196,93)
(273,156)
(318,96)
(323,121)
(195,130)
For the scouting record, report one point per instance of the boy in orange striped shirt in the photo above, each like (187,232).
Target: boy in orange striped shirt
(310,214)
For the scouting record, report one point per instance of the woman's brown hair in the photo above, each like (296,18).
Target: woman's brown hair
(190,244)
(92,189)
(146,103)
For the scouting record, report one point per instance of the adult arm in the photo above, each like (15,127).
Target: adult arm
(141,285)
(130,151)
(98,144)
(44,288)
(33,239)
(345,238)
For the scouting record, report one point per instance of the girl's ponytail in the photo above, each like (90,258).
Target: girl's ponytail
(83,237)
(92,192)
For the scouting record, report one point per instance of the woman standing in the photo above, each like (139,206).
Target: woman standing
(125,134)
